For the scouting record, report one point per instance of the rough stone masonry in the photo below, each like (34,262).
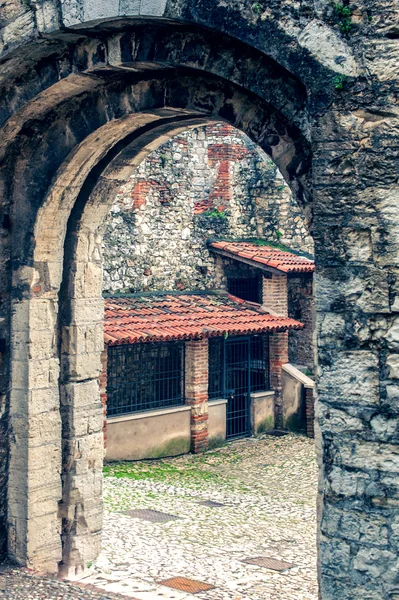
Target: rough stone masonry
(208,182)
(87,89)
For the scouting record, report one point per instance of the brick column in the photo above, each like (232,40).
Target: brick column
(275,294)
(309,400)
(197,392)
(103,390)
(275,298)
(278,352)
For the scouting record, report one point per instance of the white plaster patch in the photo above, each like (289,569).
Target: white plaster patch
(328,48)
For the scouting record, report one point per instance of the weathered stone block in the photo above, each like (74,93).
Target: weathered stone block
(347,483)
(392,335)
(83,366)
(352,378)
(155,8)
(370,456)
(84,338)
(87,311)
(45,428)
(43,400)
(338,421)
(392,397)
(392,363)
(43,373)
(337,558)
(377,563)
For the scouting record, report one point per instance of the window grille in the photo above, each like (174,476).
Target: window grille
(258,364)
(248,288)
(143,377)
(216,370)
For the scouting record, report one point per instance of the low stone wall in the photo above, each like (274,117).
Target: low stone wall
(152,434)
(297,399)
(262,411)
(217,422)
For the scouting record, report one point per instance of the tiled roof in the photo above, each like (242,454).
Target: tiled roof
(266,256)
(150,318)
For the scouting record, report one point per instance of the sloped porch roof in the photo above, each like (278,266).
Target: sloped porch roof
(185,316)
(266,257)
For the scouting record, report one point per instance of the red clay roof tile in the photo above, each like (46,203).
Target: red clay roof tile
(284,261)
(133,319)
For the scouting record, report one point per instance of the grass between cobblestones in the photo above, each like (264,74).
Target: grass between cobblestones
(267,486)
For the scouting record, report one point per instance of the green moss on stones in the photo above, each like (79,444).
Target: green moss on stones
(172,448)
(265,425)
(295,423)
(216,442)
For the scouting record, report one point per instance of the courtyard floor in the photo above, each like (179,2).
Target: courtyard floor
(267,490)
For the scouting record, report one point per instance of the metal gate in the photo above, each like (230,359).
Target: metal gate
(246,371)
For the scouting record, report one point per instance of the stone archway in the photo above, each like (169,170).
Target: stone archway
(77,83)
(67,350)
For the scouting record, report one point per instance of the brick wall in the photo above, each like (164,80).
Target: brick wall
(275,294)
(197,392)
(278,349)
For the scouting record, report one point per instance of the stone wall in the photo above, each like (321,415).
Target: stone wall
(301,307)
(339,88)
(207,182)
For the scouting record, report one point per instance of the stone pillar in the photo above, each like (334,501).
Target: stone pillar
(82,411)
(278,356)
(5,277)
(197,392)
(357,297)
(34,487)
(275,294)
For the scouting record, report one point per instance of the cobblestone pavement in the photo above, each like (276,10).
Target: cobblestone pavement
(268,489)
(21,584)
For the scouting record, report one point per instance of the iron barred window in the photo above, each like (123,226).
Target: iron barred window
(143,377)
(216,370)
(248,288)
(257,352)
(259,363)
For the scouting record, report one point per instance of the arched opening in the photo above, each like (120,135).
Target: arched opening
(147,220)
(101,122)
(90,164)
(77,87)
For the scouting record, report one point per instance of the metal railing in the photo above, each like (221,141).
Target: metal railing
(143,377)
(258,364)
